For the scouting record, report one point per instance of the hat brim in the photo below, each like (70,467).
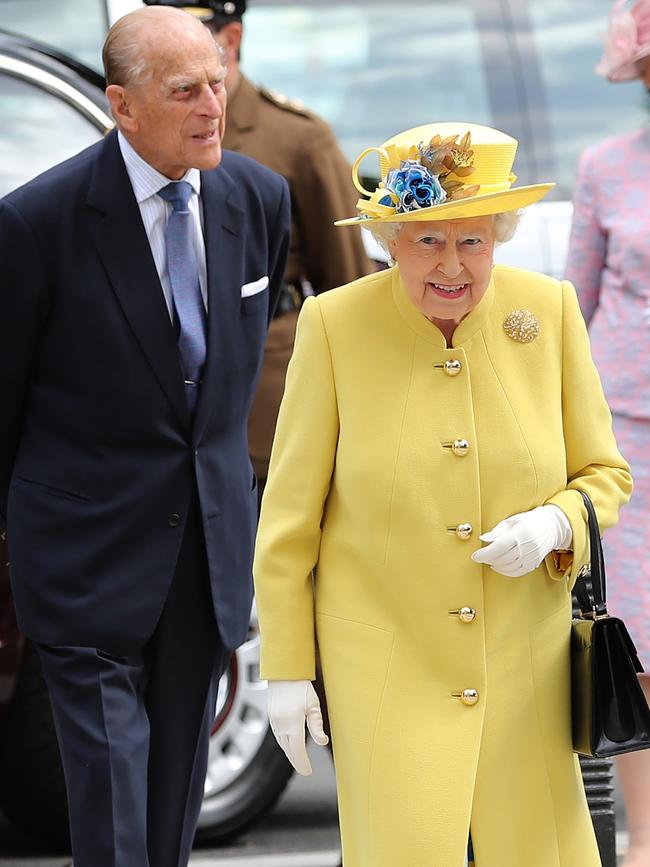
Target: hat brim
(473,206)
(629,69)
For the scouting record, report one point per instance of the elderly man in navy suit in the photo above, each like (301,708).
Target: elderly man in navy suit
(137,281)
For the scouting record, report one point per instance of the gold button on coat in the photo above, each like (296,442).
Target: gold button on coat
(453,367)
(464,531)
(466,614)
(469,696)
(460,448)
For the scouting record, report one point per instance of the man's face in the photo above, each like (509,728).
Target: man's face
(178,114)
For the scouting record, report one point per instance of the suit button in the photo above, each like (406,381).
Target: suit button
(453,367)
(174,519)
(464,531)
(467,696)
(460,448)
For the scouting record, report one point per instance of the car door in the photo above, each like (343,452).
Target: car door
(44,120)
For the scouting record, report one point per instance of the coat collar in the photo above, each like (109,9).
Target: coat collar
(472,323)
(119,235)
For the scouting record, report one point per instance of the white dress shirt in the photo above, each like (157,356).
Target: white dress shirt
(146,182)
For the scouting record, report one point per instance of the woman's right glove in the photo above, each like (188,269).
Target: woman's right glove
(290,704)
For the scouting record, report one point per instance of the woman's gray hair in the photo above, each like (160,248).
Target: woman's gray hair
(505,226)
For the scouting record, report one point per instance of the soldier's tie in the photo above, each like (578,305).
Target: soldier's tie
(186,289)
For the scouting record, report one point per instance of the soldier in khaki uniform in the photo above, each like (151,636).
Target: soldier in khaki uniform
(297,144)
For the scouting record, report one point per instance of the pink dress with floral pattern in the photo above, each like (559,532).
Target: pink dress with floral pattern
(609,264)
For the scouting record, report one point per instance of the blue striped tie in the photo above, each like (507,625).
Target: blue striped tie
(186,289)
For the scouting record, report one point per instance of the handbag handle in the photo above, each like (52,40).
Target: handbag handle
(597,571)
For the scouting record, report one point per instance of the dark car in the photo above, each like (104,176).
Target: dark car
(52,106)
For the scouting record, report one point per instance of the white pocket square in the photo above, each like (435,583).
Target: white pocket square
(253,288)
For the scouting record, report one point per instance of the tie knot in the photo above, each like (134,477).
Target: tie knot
(177,194)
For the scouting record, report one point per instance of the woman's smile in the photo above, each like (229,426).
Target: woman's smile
(445,290)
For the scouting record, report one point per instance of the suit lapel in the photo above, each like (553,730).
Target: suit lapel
(222,220)
(119,235)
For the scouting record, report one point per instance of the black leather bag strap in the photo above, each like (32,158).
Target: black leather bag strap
(598,584)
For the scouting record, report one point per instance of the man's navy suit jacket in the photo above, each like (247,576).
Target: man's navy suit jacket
(98,454)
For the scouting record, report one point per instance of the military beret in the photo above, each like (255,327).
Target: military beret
(207,10)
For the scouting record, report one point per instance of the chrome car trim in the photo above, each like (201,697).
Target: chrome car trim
(57,87)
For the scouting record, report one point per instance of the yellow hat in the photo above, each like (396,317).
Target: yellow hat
(443,171)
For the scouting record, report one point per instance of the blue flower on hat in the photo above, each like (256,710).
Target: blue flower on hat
(415,186)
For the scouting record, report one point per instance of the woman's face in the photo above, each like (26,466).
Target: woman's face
(445,265)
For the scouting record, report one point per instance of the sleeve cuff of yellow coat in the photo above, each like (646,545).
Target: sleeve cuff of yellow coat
(285,666)
(563,565)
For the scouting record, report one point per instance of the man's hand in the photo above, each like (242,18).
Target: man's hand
(519,544)
(291,703)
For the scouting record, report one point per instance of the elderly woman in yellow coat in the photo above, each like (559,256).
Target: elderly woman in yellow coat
(440,403)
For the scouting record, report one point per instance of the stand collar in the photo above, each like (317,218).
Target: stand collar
(418,322)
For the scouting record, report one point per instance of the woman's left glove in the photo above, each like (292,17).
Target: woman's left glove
(291,703)
(519,544)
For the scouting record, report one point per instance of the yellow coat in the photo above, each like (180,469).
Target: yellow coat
(364,487)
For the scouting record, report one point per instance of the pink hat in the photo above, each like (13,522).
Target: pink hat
(627,41)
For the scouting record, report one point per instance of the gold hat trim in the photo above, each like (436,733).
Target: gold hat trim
(491,177)
(200,12)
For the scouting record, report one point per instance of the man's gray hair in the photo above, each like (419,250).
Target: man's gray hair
(124,61)
(505,226)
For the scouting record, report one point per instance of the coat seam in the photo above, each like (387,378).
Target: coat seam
(514,414)
(542,729)
(369,836)
(397,454)
(355,622)
(331,363)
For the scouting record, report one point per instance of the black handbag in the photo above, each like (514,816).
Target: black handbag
(610,714)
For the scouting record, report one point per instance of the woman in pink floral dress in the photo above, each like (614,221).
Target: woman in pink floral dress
(609,264)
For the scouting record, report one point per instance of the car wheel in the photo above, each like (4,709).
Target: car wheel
(247,771)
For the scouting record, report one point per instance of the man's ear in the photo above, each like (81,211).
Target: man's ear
(121,107)
(229,37)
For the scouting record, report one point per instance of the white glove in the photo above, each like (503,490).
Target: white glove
(290,703)
(520,543)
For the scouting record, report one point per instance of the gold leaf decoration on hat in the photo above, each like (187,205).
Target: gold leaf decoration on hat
(449,160)
(522,326)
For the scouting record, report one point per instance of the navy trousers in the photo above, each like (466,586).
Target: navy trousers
(133,731)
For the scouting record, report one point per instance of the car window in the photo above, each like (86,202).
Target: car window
(38,131)
(75,26)
(371,68)
(580,106)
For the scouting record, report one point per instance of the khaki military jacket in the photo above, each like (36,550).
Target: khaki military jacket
(302,148)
